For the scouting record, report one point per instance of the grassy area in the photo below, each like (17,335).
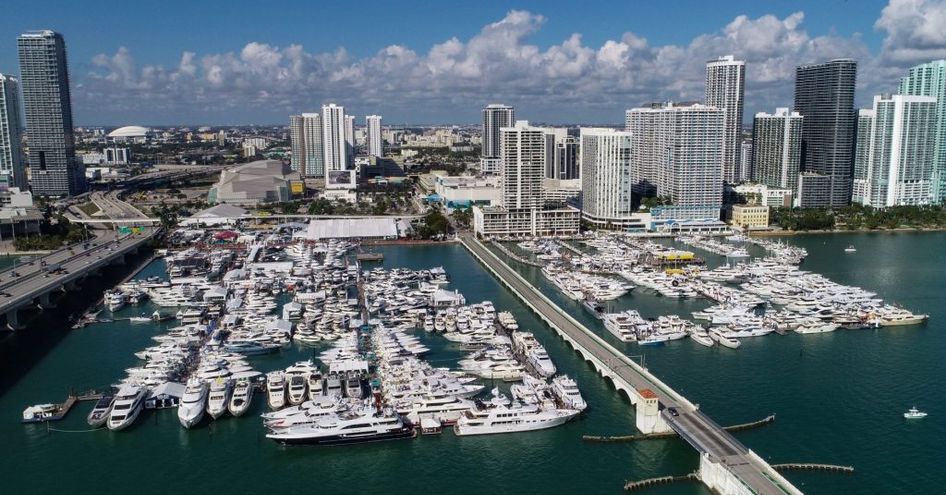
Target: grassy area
(89,208)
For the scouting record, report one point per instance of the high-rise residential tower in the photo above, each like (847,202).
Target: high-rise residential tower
(522,151)
(605,176)
(305,136)
(44,78)
(677,153)
(900,156)
(725,88)
(929,79)
(776,148)
(12,172)
(373,127)
(567,159)
(860,190)
(334,138)
(824,96)
(349,141)
(495,117)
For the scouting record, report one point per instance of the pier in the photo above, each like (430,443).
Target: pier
(726,465)
(514,256)
(30,284)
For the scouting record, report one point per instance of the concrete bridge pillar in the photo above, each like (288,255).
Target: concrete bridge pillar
(71,285)
(717,477)
(13,321)
(45,302)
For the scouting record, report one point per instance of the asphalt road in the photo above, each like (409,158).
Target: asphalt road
(694,426)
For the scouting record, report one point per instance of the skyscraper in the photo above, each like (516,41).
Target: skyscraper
(860,193)
(334,138)
(375,144)
(567,160)
(44,77)
(522,151)
(495,117)
(725,88)
(677,152)
(824,96)
(776,148)
(605,175)
(12,172)
(349,141)
(305,136)
(929,79)
(900,157)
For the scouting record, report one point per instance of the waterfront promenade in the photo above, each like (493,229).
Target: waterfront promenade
(726,465)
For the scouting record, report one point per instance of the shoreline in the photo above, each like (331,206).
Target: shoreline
(899,230)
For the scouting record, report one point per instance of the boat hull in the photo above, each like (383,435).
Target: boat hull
(401,433)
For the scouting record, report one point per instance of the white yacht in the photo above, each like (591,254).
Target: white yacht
(296,389)
(129,401)
(241,398)
(276,389)
(850,249)
(363,426)
(702,338)
(914,413)
(501,416)
(723,340)
(115,300)
(567,391)
(218,398)
(191,409)
(314,384)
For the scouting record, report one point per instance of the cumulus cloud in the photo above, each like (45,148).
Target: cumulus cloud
(566,82)
(915,30)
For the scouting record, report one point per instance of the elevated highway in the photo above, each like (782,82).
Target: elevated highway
(32,283)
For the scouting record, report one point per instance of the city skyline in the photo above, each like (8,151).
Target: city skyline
(445,75)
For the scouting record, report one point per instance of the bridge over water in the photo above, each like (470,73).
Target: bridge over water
(726,465)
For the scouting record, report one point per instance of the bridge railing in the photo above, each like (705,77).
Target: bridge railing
(613,352)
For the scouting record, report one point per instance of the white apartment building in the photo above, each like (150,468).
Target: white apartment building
(901,152)
(725,88)
(677,152)
(335,142)
(605,176)
(373,137)
(776,148)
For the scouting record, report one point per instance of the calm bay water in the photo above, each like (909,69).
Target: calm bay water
(838,397)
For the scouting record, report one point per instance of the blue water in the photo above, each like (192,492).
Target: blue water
(839,399)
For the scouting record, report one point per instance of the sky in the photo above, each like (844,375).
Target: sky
(421,62)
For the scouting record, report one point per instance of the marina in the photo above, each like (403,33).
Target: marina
(599,396)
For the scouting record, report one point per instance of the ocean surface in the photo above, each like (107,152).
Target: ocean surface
(839,398)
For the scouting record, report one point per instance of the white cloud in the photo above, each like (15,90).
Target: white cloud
(915,30)
(569,81)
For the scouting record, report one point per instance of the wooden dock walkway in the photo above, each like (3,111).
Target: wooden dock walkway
(655,436)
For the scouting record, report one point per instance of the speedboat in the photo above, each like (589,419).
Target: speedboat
(191,409)
(99,414)
(914,413)
(241,398)
(129,401)
(850,249)
(140,319)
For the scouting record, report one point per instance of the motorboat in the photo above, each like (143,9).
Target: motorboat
(850,249)
(296,389)
(567,391)
(218,399)
(241,398)
(348,427)
(193,403)
(914,413)
(276,390)
(702,338)
(41,412)
(502,416)
(100,411)
(129,401)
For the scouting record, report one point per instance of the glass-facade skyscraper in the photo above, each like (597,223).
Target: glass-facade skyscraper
(44,77)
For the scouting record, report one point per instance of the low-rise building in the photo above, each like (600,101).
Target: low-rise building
(495,221)
(765,195)
(750,216)
(467,190)
(262,181)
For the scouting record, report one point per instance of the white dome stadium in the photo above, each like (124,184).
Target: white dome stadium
(129,131)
